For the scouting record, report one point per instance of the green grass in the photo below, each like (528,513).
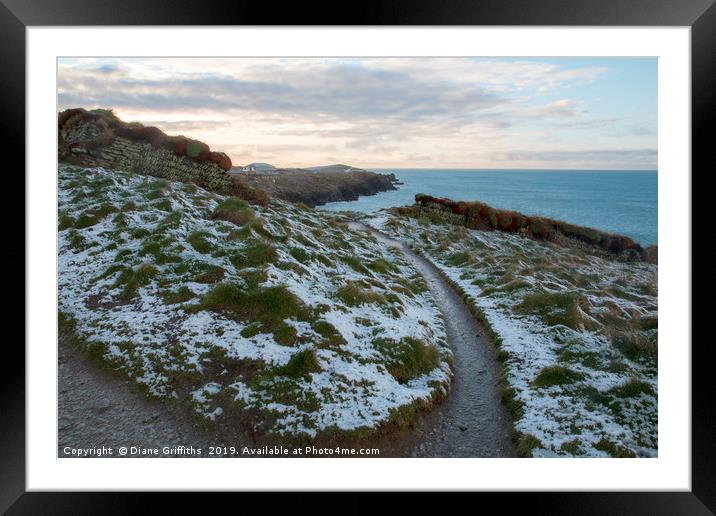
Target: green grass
(112,269)
(408,358)
(156,249)
(239,234)
(510,286)
(286,390)
(324,260)
(631,389)
(180,295)
(572,447)
(198,240)
(514,406)
(258,227)
(65,222)
(556,375)
(590,359)
(299,254)
(460,258)
(255,253)
(251,330)
(554,308)
(269,305)
(331,336)
(592,396)
(189,188)
(122,254)
(285,334)
(129,206)
(132,279)
(235,211)
(173,220)
(613,449)
(293,266)
(301,365)
(353,295)
(91,217)
(120,220)
(525,443)
(76,240)
(209,274)
(415,284)
(155,189)
(164,205)
(617,366)
(232,204)
(301,239)
(139,233)
(405,416)
(382,266)
(637,345)
(355,263)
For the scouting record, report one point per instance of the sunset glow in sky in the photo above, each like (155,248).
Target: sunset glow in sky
(573,113)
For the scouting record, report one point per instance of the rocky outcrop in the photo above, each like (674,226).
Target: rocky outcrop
(99,138)
(478,215)
(315,188)
(143,158)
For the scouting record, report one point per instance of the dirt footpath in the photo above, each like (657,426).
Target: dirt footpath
(98,408)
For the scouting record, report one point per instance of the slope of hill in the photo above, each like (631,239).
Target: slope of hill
(278,318)
(576,333)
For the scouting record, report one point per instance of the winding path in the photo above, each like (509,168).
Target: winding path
(98,408)
(471,421)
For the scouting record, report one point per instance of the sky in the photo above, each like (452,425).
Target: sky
(419,112)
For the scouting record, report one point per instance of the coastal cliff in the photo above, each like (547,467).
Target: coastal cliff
(315,188)
(478,215)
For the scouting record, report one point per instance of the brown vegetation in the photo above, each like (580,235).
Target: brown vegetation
(111,126)
(83,135)
(478,215)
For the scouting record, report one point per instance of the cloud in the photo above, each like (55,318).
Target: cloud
(595,158)
(299,111)
(338,91)
(186,125)
(499,75)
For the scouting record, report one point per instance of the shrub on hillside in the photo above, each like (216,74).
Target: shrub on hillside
(481,216)
(110,126)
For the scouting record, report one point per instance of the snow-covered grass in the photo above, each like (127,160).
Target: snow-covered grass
(577,335)
(280,316)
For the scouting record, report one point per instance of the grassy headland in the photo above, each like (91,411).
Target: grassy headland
(576,330)
(274,316)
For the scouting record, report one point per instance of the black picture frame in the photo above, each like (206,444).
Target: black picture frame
(699,15)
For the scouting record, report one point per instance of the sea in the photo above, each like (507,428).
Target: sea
(622,202)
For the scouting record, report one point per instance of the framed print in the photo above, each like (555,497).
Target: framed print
(421,248)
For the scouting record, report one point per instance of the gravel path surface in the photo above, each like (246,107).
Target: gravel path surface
(99,408)
(472,421)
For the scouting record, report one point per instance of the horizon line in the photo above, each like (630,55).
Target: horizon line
(530,169)
(474,168)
